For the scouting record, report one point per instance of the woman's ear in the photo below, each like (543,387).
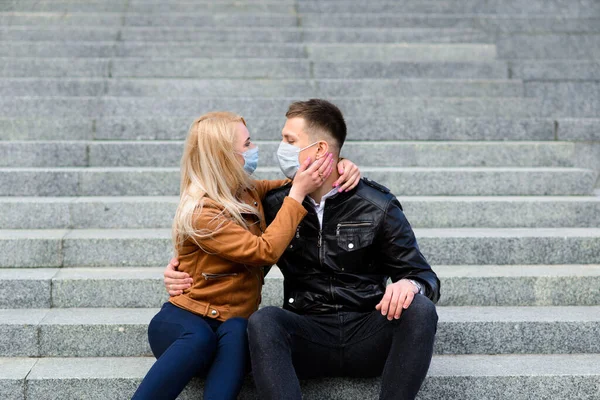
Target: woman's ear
(322,149)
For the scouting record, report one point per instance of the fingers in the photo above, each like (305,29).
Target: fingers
(351,182)
(316,165)
(304,166)
(385,302)
(409,298)
(396,299)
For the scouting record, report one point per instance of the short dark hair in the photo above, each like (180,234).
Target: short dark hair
(320,115)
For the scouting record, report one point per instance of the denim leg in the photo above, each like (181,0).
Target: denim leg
(226,374)
(285,345)
(184,345)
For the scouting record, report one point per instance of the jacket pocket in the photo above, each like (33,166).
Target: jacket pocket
(207,276)
(353,236)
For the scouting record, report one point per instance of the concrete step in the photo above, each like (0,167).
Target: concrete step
(489,23)
(365,128)
(518,7)
(365,154)
(480,24)
(567,46)
(122,332)
(191,107)
(142,287)
(467,377)
(174,19)
(422,212)
(554,70)
(151,247)
(208,34)
(227,68)
(418,181)
(322,88)
(154,7)
(152,30)
(401,52)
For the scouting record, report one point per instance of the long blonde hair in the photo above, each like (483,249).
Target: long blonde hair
(210,169)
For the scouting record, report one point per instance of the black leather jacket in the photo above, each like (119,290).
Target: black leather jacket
(345,265)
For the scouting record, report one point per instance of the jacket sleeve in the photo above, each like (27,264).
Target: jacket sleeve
(232,242)
(401,257)
(265,186)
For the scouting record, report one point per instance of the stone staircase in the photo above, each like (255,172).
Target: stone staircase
(483,116)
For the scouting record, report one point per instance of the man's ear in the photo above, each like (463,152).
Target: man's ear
(322,149)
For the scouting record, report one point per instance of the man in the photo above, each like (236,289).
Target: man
(338,316)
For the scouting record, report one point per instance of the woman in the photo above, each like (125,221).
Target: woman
(221,240)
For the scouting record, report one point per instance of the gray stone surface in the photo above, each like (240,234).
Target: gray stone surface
(13,372)
(58,33)
(549,46)
(489,23)
(103,332)
(423,212)
(510,246)
(43,154)
(123,212)
(190,107)
(53,67)
(408,127)
(465,377)
(519,285)
(145,181)
(32,128)
(518,7)
(398,69)
(20,288)
(555,69)
(31,248)
(38,182)
(150,49)
(261,88)
(390,154)
(211,35)
(376,35)
(19,332)
(90,248)
(402,52)
(34,213)
(579,129)
(109,287)
(539,330)
(567,99)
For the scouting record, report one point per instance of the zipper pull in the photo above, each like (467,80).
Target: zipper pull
(320,239)
(337,231)
(298,232)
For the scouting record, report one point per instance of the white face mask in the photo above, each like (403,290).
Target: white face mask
(287,155)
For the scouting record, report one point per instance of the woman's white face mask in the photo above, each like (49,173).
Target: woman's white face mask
(287,155)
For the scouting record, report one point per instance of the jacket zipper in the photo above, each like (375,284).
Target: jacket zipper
(350,225)
(208,276)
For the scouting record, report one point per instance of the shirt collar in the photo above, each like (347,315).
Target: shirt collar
(326,196)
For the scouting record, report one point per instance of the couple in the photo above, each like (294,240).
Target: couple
(335,247)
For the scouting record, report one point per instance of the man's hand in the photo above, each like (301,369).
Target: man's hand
(176,282)
(398,297)
(349,176)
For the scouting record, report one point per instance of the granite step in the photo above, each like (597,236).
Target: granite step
(55,106)
(147,30)
(122,332)
(151,247)
(417,181)
(252,34)
(466,377)
(365,154)
(142,287)
(254,68)
(422,212)
(146,7)
(490,23)
(308,88)
(367,128)
(512,7)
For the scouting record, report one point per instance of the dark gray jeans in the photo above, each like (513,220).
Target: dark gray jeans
(285,346)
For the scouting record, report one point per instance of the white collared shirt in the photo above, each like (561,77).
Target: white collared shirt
(320,207)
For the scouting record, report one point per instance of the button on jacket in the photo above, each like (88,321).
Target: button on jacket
(345,264)
(227,268)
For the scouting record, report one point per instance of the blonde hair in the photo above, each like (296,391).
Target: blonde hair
(210,169)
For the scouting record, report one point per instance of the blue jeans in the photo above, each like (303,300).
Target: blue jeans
(188,345)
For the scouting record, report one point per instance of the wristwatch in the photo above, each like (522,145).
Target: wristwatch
(418,285)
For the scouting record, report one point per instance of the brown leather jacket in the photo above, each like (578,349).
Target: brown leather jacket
(227,271)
